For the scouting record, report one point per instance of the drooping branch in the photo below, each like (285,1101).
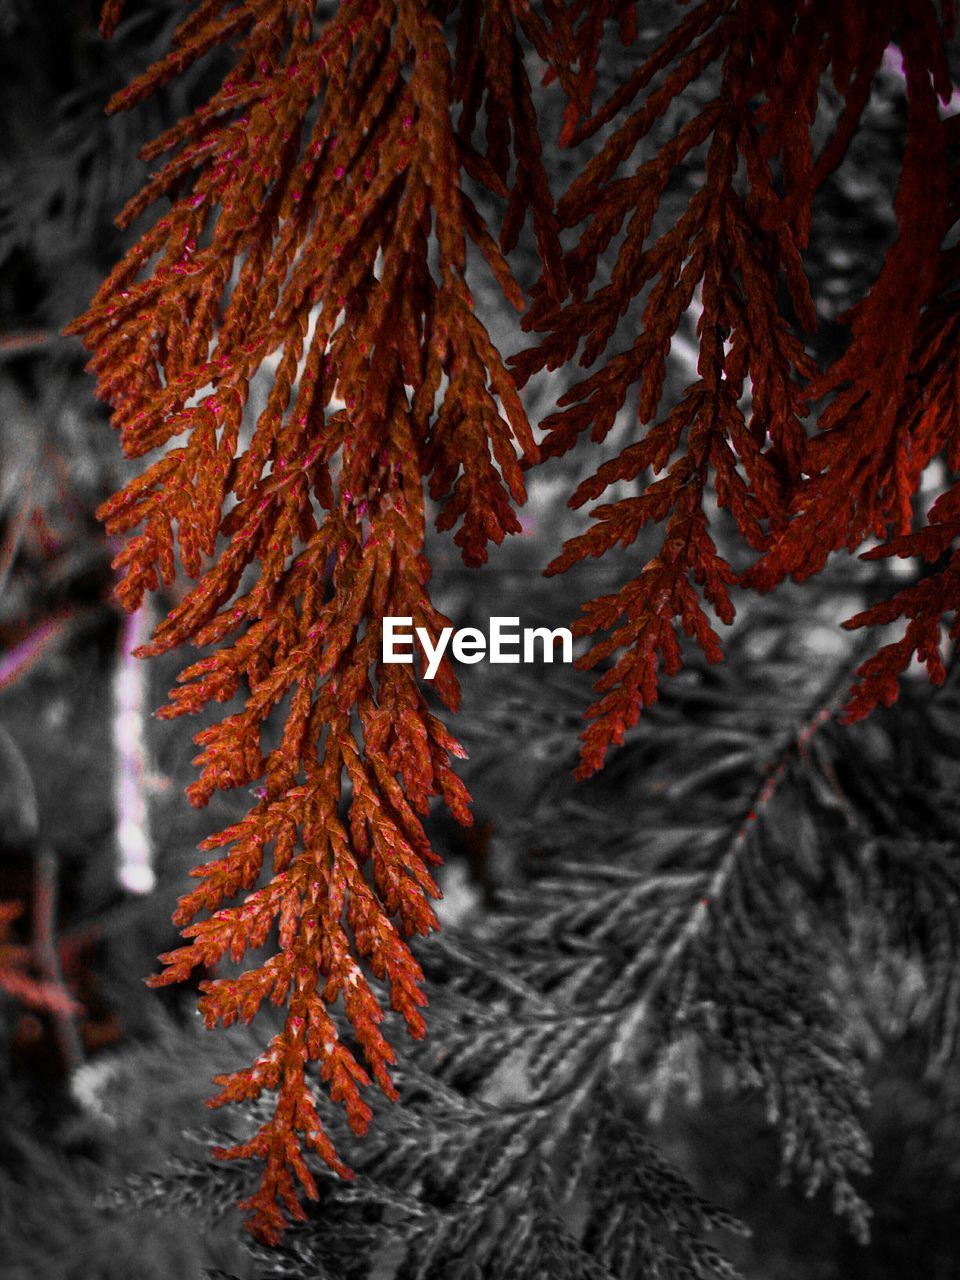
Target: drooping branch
(317,220)
(735,253)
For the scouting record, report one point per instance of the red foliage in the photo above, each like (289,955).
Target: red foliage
(318,217)
(304,199)
(739,244)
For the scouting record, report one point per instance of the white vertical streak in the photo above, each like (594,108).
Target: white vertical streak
(134,846)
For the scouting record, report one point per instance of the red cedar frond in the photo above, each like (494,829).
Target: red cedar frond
(738,245)
(733,246)
(926,425)
(305,198)
(490,77)
(930,424)
(923,605)
(861,478)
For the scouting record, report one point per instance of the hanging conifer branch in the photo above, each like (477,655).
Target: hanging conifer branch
(304,199)
(738,247)
(861,467)
(927,426)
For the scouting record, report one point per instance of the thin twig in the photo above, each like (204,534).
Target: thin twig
(28,342)
(46,957)
(18,526)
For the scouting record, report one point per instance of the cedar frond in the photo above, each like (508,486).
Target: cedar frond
(929,427)
(317,220)
(861,470)
(734,253)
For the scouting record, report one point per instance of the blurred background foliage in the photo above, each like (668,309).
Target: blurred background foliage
(90,1096)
